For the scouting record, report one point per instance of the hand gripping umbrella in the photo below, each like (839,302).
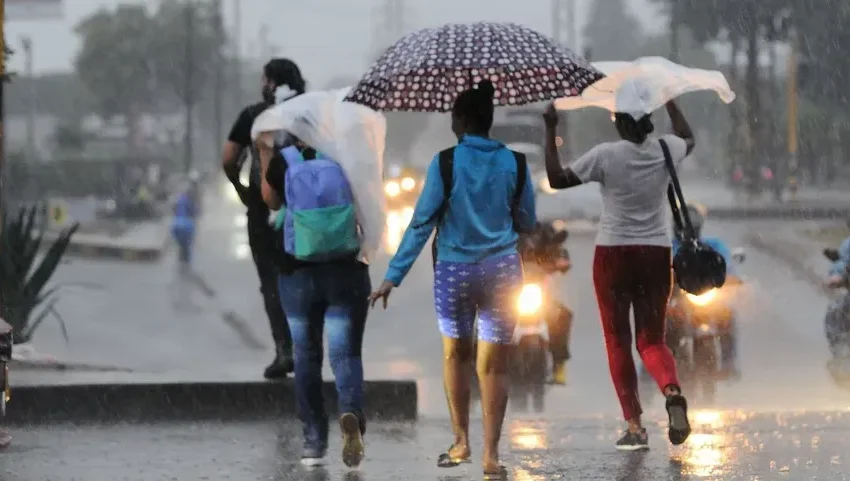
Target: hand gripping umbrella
(425,71)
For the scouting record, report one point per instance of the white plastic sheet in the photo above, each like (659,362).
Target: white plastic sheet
(349,133)
(644,85)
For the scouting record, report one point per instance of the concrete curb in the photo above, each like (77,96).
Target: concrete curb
(91,250)
(226,401)
(788,212)
(16,365)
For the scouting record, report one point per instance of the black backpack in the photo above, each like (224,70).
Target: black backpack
(447,158)
(697,266)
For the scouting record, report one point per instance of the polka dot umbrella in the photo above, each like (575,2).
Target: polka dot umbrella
(424,71)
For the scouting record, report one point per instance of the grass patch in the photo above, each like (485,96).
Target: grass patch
(829,236)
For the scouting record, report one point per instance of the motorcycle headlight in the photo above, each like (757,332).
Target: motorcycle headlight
(703,299)
(408,184)
(530,299)
(392,188)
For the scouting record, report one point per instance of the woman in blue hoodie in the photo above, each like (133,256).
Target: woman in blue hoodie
(477,267)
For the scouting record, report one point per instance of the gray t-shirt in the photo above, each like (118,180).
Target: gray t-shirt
(634,182)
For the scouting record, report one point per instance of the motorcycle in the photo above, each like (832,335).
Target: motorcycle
(530,365)
(544,256)
(696,325)
(6,338)
(837,327)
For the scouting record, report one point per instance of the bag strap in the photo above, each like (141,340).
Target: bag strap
(521,179)
(681,216)
(447,162)
(291,155)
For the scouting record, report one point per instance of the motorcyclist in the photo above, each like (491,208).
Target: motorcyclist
(837,322)
(728,337)
(543,257)
(840,260)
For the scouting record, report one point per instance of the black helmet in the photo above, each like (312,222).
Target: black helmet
(697,215)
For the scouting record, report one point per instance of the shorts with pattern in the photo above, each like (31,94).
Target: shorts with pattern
(488,290)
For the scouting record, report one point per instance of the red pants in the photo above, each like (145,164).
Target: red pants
(637,277)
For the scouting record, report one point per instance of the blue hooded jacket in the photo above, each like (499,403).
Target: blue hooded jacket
(477,224)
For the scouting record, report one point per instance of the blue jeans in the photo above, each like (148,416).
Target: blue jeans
(332,296)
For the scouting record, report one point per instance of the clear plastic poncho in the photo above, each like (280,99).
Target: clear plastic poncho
(352,135)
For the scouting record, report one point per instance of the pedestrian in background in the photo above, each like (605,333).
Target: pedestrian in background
(279,74)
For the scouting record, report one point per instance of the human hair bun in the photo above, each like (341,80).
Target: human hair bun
(486,88)
(645,125)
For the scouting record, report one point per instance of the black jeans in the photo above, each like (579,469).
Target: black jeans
(261,239)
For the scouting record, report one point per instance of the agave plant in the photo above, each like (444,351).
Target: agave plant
(24,272)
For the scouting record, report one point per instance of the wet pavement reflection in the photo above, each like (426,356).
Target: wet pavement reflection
(724,446)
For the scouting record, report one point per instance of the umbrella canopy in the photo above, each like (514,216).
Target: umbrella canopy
(351,135)
(644,85)
(426,70)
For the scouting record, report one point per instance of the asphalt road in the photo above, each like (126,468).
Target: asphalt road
(123,315)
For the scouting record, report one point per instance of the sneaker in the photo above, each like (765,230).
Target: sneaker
(559,374)
(352,440)
(312,456)
(633,441)
(679,428)
(281,366)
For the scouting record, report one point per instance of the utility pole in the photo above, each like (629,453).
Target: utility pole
(237,54)
(390,24)
(793,71)
(3,196)
(219,74)
(675,16)
(564,34)
(26,45)
(188,86)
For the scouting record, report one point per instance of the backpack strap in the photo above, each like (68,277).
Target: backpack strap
(521,179)
(291,155)
(447,163)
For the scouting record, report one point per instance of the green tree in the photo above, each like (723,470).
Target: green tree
(114,60)
(186,44)
(612,32)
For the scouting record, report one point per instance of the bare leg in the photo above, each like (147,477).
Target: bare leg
(457,375)
(492,365)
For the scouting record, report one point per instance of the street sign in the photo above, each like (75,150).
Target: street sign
(34,9)
(57,214)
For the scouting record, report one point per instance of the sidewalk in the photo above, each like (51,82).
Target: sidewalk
(809,203)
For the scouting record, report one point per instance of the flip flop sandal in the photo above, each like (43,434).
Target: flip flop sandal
(446,460)
(500,475)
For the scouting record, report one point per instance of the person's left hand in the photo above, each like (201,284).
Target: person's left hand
(383,292)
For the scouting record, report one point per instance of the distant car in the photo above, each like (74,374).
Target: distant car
(402,185)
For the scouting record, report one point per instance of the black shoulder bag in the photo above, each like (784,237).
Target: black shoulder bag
(447,175)
(697,266)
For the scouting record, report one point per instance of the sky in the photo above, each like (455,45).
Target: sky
(327,38)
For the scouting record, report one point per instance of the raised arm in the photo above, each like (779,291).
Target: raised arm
(681,127)
(559,177)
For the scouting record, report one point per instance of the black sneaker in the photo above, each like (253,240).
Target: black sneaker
(679,428)
(633,441)
(281,366)
(352,439)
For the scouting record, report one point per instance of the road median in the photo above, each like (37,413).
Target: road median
(192,401)
(142,242)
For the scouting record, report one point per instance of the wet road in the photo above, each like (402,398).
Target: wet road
(122,315)
(724,447)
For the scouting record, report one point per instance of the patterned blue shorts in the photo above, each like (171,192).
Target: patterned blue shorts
(488,289)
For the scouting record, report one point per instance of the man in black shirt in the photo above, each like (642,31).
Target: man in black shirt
(278,72)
